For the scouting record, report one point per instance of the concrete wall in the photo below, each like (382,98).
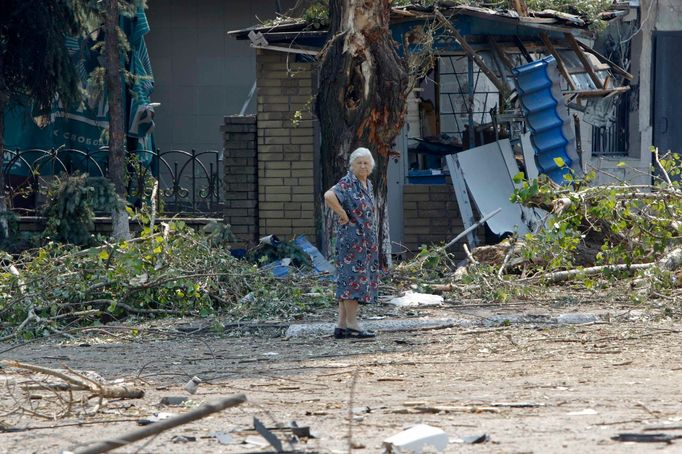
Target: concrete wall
(201,73)
(654,15)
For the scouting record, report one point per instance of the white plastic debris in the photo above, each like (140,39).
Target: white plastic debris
(416,299)
(585,412)
(415,439)
(192,385)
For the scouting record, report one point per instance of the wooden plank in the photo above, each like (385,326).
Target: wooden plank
(600,92)
(501,86)
(614,67)
(501,54)
(584,60)
(521,7)
(523,49)
(559,61)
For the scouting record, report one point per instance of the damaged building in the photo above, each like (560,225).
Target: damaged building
(511,90)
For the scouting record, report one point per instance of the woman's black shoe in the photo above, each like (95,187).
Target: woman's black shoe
(359,334)
(340,333)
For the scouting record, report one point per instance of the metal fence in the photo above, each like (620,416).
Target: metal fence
(189,182)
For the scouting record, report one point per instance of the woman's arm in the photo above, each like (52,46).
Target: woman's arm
(333,202)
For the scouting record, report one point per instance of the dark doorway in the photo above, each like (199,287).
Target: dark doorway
(667,95)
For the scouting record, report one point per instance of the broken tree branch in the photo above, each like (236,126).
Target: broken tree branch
(670,262)
(161,426)
(122,391)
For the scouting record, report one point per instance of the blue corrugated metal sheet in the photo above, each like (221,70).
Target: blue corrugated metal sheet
(552,135)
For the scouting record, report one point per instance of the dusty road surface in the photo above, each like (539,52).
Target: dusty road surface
(531,388)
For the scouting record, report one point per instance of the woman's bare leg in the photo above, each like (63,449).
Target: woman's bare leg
(342,315)
(352,314)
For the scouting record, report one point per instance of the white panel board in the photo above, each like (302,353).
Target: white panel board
(529,157)
(487,174)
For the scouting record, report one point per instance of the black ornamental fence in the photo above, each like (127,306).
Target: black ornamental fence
(188,182)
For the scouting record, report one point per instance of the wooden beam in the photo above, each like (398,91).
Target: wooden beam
(584,60)
(601,92)
(523,49)
(614,67)
(501,86)
(501,54)
(560,63)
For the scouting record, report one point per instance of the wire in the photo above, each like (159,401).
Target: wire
(639,29)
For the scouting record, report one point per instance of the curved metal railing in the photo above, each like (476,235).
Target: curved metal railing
(189,181)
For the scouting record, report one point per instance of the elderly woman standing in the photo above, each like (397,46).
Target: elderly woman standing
(357,248)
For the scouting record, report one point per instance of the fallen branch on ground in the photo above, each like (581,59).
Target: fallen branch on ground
(161,426)
(79,382)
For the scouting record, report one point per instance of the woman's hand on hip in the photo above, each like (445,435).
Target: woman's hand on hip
(343,218)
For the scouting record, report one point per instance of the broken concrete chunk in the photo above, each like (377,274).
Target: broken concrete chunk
(223,438)
(173,401)
(415,439)
(192,385)
(182,438)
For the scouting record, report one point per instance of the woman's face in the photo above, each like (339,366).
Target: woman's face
(361,167)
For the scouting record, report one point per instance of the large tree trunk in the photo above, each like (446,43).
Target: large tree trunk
(4,227)
(361,99)
(117,150)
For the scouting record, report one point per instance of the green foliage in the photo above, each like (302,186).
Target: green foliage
(68,210)
(35,61)
(602,225)
(266,253)
(588,9)
(317,15)
(103,198)
(173,271)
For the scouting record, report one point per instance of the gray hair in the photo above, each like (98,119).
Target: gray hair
(361,152)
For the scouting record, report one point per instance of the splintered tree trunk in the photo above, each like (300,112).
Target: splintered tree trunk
(361,100)
(117,150)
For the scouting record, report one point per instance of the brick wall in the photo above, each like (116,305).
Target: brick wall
(431,215)
(285,146)
(240,176)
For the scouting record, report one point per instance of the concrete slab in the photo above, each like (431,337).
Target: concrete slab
(325,329)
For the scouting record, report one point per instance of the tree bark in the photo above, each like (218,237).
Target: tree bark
(361,100)
(117,150)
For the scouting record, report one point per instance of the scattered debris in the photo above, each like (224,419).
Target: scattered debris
(156,417)
(415,439)
(161,426)
(585,412)
(182,438)
(271,438)
(472,439)
(646,438)
(410,299)
(173,401)
(192,385)
(223,438)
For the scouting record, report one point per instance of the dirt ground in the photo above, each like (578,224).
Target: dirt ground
(531,389)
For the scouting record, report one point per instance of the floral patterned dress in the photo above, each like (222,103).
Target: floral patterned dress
(357,246)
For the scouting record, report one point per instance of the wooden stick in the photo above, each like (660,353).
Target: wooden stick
(122,391)
(560,63)
(584,60)
(161,426)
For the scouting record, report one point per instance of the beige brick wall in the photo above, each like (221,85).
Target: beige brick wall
(285,151)
(431,216)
